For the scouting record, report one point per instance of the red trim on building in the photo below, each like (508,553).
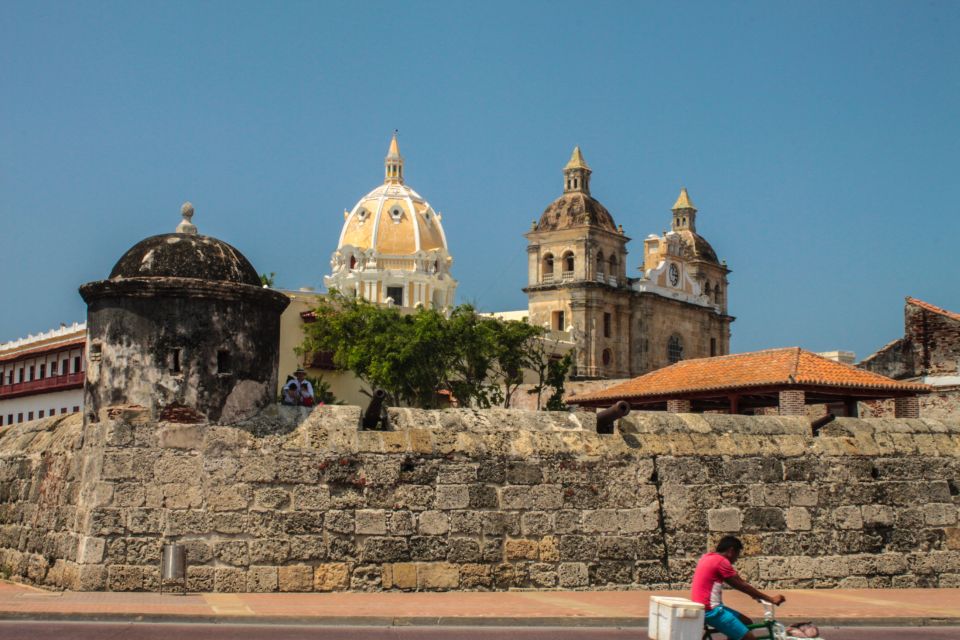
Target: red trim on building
(52,383)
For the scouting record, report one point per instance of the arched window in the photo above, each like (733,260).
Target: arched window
(600,263)
(548,266)
(607,357)
(353,262)
(716,292)
(674,349)
(707,289)
(568,262)
(613,266)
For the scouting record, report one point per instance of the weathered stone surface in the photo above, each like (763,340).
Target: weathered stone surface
(333,576)
(480,501)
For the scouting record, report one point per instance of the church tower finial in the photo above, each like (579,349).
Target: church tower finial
(576,175)
(394,162)
(684,213)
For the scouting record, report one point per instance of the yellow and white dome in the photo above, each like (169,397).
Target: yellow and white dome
(393,238)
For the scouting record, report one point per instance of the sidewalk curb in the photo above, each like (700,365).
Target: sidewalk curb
(436,621)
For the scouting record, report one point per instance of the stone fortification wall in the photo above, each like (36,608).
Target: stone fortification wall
(478,500)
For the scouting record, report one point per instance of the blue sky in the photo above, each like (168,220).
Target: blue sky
(818,139)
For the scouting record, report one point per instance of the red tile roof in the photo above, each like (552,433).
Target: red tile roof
(933,308)
(775,368)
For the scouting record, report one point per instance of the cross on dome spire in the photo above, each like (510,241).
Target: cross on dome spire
(393,163)
(576,175)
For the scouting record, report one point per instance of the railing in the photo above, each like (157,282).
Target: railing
(51,383)
(566,275)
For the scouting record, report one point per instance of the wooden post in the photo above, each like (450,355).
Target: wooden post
(734,405)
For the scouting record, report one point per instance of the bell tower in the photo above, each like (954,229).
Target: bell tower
(576,175)
(684,213)
(393,163)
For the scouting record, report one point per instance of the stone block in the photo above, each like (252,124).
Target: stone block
(461,550)
(384,549)
(262,579)
(339,521)
(91,550)
(578,548)
(874,514)
(229,580)
(311,498)
(233,497)
(401,523)
(269,551)
(178,468)
(549,549)
(200,579)
(179,495)
(91,577)
(536,523)
(457,473)
(521,549)
(433,523)
(271,498)
(637,520)
(798,518)
(802,495)
(143,521)
(542,575)
(371,522)
(452,496)
(367,577)
(404,575)
(848,517)
(940,514)
(233,552)
(183,522)
(600,521)
(438,576)
(333,576)
(573,574)
(475,576)
(124,578)
(952,538)
(308,548)
(466,522)
(727,519)
(414,497)
(229,522)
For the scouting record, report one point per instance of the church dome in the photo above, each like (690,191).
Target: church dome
(393,219)
(696,247)
(576,207)
(575,210)
(185,254)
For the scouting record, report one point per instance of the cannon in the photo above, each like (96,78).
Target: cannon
(821,422)
(371,417)
(608,416)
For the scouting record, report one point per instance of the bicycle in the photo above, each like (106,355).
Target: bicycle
(774,630)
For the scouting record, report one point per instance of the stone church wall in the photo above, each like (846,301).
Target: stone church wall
(468,500)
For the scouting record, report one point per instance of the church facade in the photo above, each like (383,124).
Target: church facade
(624,326)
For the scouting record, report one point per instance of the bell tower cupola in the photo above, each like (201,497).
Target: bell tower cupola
(393,163)
(576,175)
(684,213)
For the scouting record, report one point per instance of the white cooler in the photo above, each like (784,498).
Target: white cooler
(675,619)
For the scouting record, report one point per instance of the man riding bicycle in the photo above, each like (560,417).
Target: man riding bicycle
(712,571)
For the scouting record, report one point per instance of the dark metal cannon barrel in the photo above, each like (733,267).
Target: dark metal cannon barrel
(608,416)
(821,422)
(371,417)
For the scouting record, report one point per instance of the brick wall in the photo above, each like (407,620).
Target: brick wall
(479,500)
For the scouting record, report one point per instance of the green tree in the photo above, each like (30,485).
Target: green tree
(268,280)
(518,347)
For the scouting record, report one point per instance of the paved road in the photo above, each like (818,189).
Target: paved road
(37,630)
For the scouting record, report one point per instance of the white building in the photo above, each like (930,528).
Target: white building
(42,375)
(392,248)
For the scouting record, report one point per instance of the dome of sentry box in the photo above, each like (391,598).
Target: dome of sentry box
(185,254)
(392,247)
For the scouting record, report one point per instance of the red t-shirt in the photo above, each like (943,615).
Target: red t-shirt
(708,578)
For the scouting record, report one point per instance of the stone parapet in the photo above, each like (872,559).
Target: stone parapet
(478,500)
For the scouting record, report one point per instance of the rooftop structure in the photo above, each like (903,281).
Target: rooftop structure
(787,378)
